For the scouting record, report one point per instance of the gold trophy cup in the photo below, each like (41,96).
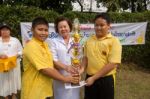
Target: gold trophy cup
(76,48)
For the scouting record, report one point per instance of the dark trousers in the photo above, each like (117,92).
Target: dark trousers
(102,88)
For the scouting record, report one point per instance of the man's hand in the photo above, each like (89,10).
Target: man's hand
(90,81)
(81,70)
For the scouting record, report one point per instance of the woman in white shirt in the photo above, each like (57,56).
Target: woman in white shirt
(10,81)
(62,60)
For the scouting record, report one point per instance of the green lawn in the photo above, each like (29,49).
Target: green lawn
(132,83)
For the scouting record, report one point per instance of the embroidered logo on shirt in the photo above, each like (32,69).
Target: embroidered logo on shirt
(104,53)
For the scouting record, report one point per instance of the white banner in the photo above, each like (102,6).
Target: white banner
(128,33)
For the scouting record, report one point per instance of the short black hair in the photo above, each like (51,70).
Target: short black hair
(38,21)
(103,16)
(62,18)
(4,25)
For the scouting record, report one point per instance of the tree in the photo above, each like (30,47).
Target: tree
(116,5)
(1,1)
(138,5)
(112,5)
(59,6)
(80,3)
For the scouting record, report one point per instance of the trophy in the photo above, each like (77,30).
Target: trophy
(75,50)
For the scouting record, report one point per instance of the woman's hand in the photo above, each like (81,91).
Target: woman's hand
(71,69)
(73,79)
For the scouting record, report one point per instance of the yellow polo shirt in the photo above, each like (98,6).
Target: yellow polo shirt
(101,52)
(35,85)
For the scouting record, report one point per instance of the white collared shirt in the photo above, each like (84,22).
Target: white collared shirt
(60,53)
(11,48)
(60,50)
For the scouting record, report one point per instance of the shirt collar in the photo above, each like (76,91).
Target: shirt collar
(109,35)
(60,39)
(11,38)
(38,41)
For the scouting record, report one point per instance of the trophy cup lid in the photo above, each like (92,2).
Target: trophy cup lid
(76,24)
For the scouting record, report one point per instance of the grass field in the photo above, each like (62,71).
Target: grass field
(132,82)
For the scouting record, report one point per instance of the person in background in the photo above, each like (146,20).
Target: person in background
(10,52)
(62,60)
(102,55)
(38,65)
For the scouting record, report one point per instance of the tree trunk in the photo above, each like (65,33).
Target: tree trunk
(132,6)
(79,1)
(90,6)
(145,5)
(81,8)
(1,1)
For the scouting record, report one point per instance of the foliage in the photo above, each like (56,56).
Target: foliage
(83,17)
(59,6)
(62,6)
(117,5)
(138,54)
(112,5)
(16,14)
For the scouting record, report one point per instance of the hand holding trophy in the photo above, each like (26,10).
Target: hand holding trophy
(76,49)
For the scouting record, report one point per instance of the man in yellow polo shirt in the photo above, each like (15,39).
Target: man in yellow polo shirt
(102,54)
(38,65)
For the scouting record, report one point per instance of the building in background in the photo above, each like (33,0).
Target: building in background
(89,6)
